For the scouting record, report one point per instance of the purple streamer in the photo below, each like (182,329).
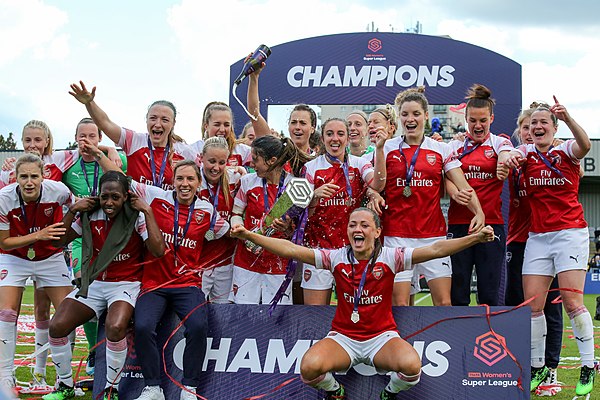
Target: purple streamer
(290,271)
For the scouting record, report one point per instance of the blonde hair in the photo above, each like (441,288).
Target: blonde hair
(36,124)
(217,142)
(208,111)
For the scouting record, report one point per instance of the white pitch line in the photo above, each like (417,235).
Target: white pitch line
(422,298)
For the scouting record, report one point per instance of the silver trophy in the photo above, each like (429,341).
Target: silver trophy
(296,197)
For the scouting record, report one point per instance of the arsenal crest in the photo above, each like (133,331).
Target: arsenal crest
(3,274)
(508,256)
(48,211)
(199,216)
(489,153)
(307,275)
(232,161)
(235,289)
(351,174)
(377,272)
(46,172)
(431,159)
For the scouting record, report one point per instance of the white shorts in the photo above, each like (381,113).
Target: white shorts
(249,287)
(363,352)
(432,269)
(216,283)
(415,284)
(550,253)
(316,278)
(101,295)
(51,272)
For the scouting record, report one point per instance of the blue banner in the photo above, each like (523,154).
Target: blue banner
(592,283)
(250,353)
(371,68)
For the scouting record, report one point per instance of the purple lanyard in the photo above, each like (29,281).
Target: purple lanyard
(214,200)
(176,224)
(22,205)
(517,173)
(280,190)
(363,279)
(465,151)
(550,164)
(155,181)
(94,189)
(409,170)
(345,168)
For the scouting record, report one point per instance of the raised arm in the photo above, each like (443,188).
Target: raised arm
(281,247)
(582,143)
(261,128)
(105,163)
(444,248)
(112,130)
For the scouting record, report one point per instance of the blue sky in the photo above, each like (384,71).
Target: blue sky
(136,52)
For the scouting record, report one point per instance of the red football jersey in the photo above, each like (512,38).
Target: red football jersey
(479,167)
(220,252)
(326,227)
(38,215)
(553,198)
(189,254)
(375,303)
(135,146)
(126,265)
(418,215)
(250,198)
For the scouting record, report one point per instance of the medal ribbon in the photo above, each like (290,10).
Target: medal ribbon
(363,279)
(155,181)
(93,190)
(346,170)
(551,164)
(409,170)
(214,200)
(22,205)
(469,151)
(176,224)
(517,173)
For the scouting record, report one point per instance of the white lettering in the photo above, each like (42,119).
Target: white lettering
(246,357)
(219,354)
(371,76)
(276,354)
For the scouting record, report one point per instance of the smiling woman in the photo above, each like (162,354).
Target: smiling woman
(30,215)
(150,156)
(363,328)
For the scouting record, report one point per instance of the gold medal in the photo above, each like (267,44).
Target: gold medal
(407,191)
(31,253)
(355,317)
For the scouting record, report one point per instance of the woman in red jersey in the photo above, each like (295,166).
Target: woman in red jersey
(340,181)
(30,219)
(150,156)
(217,120)
(363,327)
(257,275)
(416,166)
(115,289)
(301,123)
(219,187)
(482,154)
(558,237)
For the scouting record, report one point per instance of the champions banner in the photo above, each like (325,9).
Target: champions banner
(370,68)
(250,353)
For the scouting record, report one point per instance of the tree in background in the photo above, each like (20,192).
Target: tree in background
(8,143)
